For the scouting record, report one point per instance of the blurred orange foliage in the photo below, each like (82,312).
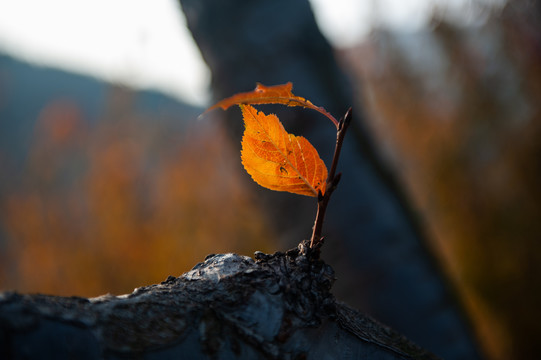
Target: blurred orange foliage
(457,113)
(122,203)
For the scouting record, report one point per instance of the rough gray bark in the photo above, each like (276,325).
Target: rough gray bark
(229,307)
(372,235)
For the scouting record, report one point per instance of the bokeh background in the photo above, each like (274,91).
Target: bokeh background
(108,181)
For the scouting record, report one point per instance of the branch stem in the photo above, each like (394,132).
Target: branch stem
(332,182)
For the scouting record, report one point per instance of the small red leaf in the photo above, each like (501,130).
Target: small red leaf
(278,94)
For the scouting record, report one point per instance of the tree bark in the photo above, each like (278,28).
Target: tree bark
(372,236)
(228,307)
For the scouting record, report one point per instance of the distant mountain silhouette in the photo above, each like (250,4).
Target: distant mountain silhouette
(26,89)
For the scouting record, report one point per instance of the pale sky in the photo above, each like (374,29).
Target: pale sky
(145,43)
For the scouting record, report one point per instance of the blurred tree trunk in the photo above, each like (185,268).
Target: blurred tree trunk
(373,239)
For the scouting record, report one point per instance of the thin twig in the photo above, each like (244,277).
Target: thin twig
(332,181)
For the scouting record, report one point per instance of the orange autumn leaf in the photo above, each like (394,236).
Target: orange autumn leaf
(278,94)
(278,160)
